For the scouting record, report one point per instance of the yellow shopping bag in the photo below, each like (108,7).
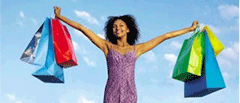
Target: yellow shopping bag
(215,42)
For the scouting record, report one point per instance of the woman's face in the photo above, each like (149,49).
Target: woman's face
(120,28)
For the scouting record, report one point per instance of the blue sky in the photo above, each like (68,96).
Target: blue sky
(85,83)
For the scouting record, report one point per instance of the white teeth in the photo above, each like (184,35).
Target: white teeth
(118,32)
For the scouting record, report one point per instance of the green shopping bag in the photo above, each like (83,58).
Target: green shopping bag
(189,62)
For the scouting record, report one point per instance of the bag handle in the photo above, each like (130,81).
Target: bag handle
(53,16)
(197,29)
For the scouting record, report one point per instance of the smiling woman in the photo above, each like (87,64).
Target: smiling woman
(119,24)
(120,28)
(121,53)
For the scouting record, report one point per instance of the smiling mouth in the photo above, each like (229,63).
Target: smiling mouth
(118,32)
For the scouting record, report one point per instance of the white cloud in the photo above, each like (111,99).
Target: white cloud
(21,14)
(232,52)
(34,21)
(228,11)
(226,75)
(170,74)
(76,46)
(214,29)
(79,49)
(84,100)
(88,61)
(150,56)
(11,97)
(86,16)
(176,44)
(236,46)
(169,78)
(170,58)
(224,63)
(22,21)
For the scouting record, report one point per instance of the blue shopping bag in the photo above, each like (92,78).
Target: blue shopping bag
(51,72)
(36,51)
(211,79)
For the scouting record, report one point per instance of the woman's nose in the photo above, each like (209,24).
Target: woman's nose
(118,27)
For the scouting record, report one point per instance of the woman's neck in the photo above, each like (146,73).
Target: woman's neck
(122,42)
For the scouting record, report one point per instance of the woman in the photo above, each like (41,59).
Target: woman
(121,53)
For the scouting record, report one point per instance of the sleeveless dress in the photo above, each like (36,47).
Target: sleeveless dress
(120,86)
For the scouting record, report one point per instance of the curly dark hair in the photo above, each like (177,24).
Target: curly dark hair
(132,36)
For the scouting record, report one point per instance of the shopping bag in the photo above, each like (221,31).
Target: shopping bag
(51,72)
(189,63)
(63,46)
(211,79)
(36,51)
(215,42)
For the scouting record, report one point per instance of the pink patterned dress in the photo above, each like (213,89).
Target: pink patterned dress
(120,87)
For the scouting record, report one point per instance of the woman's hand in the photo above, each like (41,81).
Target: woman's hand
(57,11)
(194,25)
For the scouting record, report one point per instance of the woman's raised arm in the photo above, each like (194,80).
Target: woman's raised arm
(144,47)
(99,42)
